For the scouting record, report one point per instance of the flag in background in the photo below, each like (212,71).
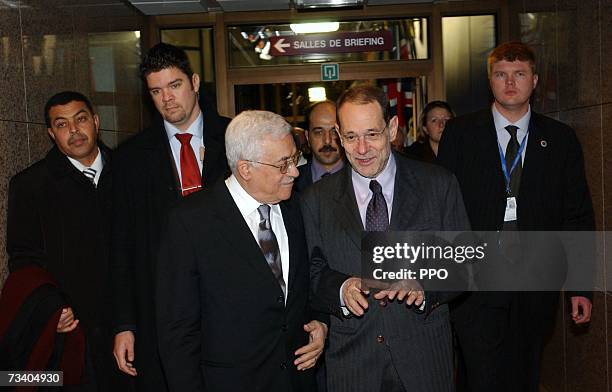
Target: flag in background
(400,95)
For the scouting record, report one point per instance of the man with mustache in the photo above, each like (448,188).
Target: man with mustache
(59,219)
(180,153)
(327,154)
(233,293)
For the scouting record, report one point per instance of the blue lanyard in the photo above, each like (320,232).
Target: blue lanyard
(518,156)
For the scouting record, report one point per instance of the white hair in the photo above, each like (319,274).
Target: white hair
(245,133)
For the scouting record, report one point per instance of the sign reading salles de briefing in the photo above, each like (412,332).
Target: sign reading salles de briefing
(370,41)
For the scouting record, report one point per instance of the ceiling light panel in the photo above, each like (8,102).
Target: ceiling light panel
(250,5)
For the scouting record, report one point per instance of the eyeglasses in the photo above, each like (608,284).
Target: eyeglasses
(319,133)
(371,136)
(283,167)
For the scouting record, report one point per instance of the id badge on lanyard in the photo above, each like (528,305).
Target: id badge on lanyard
(510,214)
(511,205)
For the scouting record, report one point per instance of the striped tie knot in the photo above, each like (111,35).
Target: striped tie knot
(90,173)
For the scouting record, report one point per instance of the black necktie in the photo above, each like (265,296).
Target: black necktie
(269,245)
(377,216)
(511,151)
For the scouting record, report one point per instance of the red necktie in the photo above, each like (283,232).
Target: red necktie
(190,172)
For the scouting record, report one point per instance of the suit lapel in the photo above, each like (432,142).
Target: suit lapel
(214,141)
(486,137)
(536,156)
(213,151)
(161,159)
(233,228)
(61,167)
(487,150)
(308,173)
(346,206)
(293,236)
(406,195)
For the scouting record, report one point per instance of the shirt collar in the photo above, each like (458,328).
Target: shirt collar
(502,122)
(97,164)
(318,170)
(245,202)
(196,128)
(385,178)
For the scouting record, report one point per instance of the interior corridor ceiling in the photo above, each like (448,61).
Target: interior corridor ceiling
(161,7)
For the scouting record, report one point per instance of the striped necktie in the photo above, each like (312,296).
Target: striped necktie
(90,174)
(269,245)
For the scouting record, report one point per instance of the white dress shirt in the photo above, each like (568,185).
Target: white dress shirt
(248,208)
(97,165)
(503,136)
(197,142)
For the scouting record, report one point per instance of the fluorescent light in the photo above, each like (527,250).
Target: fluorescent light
(323,27)
(317,94)
(327,3)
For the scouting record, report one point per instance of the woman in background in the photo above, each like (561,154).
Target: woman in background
(431,125)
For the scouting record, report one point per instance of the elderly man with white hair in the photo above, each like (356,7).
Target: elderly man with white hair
(233,274)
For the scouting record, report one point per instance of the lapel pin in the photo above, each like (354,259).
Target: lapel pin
(543,143)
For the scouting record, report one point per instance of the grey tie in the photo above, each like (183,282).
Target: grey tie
(90,174)
(511,151)
(269,245)
(377,216)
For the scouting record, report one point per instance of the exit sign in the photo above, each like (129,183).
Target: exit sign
(329,72)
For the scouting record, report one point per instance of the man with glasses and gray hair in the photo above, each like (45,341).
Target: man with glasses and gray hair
(233,286)
(376,342)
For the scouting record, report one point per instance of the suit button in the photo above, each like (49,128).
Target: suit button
(380,339)
(280,299)
(284,328)
(383,303)
(283,365)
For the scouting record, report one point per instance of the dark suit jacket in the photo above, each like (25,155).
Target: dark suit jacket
(305,178)
(553,193)
(58,220)
(223,324)
(420,151)
(553,196)
(426,197)
(146,185)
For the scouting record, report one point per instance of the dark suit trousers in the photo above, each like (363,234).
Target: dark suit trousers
(502,338)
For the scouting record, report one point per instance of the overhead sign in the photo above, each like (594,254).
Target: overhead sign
(329,72)
(369,41)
